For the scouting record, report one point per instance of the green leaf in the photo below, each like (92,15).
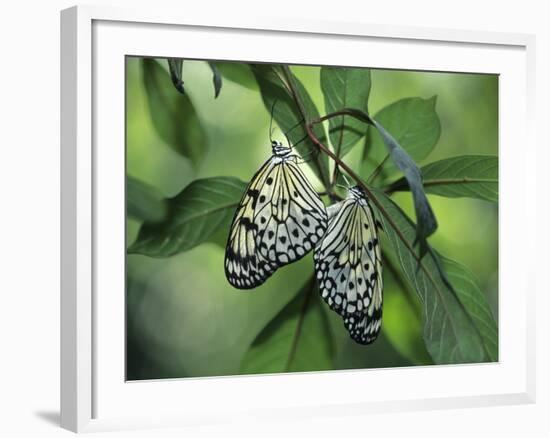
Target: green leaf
(450,334)
(216,78)
(144,202)
(345,87)
(297,339)
(175,66)
(475,302)
(288,114)
(173,114)
(194,216)
(426,222)
(402,322)
(413,123)
(473,176)
(238,73)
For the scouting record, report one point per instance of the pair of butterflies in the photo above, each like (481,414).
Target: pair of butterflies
(281,218)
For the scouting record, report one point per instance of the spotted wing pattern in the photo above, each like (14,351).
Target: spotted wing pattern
(349,268)
(244,267)
(290,216)
(278,221)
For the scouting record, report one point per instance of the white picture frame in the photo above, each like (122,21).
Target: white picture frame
(94,41)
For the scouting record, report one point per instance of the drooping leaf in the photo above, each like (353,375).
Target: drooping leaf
(173,114)
(345,87)
(239,73)
(296,339)
(426,222)
(473,176)
(216,78)
(194,216)
(413,123)
(450,334)
(475,302)
(288,114)
(144,202)
(175,66)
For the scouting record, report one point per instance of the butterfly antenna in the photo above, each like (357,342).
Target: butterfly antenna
(299,122)
(292,127)
(310,153)
(346,180)
(296,124)
(288,141)
(299,141)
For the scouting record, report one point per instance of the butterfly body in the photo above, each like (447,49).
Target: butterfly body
(348,266)
(279,220)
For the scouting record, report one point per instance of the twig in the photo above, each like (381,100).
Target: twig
(359,115)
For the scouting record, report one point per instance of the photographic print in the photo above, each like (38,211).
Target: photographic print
(299,218)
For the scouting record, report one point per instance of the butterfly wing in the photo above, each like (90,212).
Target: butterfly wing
(349,269)
(245,268)
(364,328)
(289,215)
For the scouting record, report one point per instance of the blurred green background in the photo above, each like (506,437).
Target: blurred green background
(184,319)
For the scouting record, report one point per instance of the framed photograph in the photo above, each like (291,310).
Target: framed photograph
(251,232)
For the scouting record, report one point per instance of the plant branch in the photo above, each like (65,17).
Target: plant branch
(357,179)
(364,117)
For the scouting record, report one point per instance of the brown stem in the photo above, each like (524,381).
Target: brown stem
(360,115)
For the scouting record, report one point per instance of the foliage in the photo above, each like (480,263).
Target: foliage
(291,118)
(173,114)
(414,124)
(292,341)
(345,87)
(194,216)
(446,308)
(474,176)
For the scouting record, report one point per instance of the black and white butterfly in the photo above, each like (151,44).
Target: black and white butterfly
(279,220)
(348,265)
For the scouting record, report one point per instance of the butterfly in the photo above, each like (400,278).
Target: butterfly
(279,220)
(348,266)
